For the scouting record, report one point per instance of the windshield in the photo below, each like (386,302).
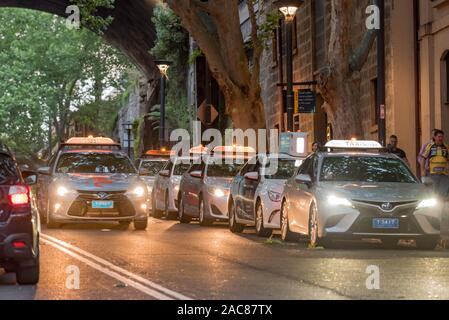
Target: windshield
(94,163)
(181,168)
(365,169)
(153,167)
(8,172)
(223,170)
(284,169)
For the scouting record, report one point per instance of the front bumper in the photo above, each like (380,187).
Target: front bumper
(216,207)
(78,207)
(357,222)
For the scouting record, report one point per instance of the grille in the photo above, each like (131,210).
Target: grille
(82,206)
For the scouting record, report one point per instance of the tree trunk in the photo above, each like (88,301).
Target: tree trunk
(246,111)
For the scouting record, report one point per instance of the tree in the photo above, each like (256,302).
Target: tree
(339,82)
(215,25)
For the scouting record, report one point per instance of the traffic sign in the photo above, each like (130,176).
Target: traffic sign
(305,101)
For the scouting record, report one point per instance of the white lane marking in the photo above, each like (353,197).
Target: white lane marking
(138,286)
(109,267)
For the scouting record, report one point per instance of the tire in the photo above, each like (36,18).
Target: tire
(234,226)
(286,234)
(124,225)
(261,231)
(202,217)
(140,225)
(154,212)
(29,275)
(314,239)
(181,216)
(427,243)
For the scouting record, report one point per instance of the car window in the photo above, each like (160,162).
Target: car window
(152,166)
(8,171)
(366,169)
(181,168)
(307,167)
(94,163)
(196,167)
(284,169)
(223,170)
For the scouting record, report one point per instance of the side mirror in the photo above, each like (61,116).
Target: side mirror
(30,177)
(304,179)
(196,174)
(253,176)
(164,173)
(144,172)
(46,171)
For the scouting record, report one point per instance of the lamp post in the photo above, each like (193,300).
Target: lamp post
(128,127)
(381,108)
(289,9)
(163,66)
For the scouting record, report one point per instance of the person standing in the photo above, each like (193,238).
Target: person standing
(424,164)
(435,159)
(393,148)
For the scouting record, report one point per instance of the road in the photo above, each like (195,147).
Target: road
(174,261)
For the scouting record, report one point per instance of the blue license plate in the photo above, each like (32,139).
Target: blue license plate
(386,223)
(102,204)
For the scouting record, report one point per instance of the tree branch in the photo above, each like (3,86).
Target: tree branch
(257,46)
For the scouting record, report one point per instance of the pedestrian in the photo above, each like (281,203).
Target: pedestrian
(393,148)
(425,167)
(435,159)
(316,146)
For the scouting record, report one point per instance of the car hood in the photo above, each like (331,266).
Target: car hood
(274,185)
(218,182)
(95,182)
(382,192)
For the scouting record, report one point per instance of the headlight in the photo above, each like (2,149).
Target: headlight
(177,188)
(218,192)
(138,192)
(337,201)
(428,203)
(62,191)
(274,196)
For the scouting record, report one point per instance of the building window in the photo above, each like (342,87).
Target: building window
(319,12)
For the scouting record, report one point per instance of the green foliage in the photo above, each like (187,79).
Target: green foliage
(47,73)
(195,54)
(89,13)
(137,129)
(173,44)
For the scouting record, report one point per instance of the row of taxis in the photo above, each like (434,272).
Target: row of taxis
(349,190)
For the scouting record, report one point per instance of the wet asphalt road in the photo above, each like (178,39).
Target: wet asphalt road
(174,261)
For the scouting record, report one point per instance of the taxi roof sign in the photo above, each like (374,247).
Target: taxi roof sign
(158,153)
(90,141)
(199,150)
(353,144)
(233,149)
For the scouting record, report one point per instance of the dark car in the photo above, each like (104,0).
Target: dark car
(19,221)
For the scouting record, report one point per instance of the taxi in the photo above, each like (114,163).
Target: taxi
(91,179)
(149,166)
(205,188)
(354,190)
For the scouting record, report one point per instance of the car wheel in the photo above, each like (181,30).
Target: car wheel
(234,226)
(202,215)
(261,231)
(427,244)
(181,215)
(286,234)
(28,275)
(167,214)
(155,212)
(140,224)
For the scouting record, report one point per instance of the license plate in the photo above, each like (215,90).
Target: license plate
(102,204)
(386,223)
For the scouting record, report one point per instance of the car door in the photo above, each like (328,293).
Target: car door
(248,190)
(237,185)
(161,185)
(299,197)
(191,189)
(43,184)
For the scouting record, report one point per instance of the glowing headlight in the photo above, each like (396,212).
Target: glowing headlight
(62,191)
(177,188)
(219,193)
(337,201)
(428,203)
(274,196)
(138,192)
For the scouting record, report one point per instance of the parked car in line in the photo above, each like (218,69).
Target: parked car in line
(356,192)
(205,188)
(91,179)
(256,193)
(19,221)
(149,166)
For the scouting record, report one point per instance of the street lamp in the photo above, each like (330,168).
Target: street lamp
(289,9)
(163,66)
(128,127)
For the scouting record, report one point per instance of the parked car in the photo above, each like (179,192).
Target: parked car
(256,193)
(205,188)
(90,179)
(356,192)
(19,221)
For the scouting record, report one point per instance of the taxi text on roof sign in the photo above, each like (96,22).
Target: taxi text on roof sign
(90,141)
(353,144)
(233,149)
